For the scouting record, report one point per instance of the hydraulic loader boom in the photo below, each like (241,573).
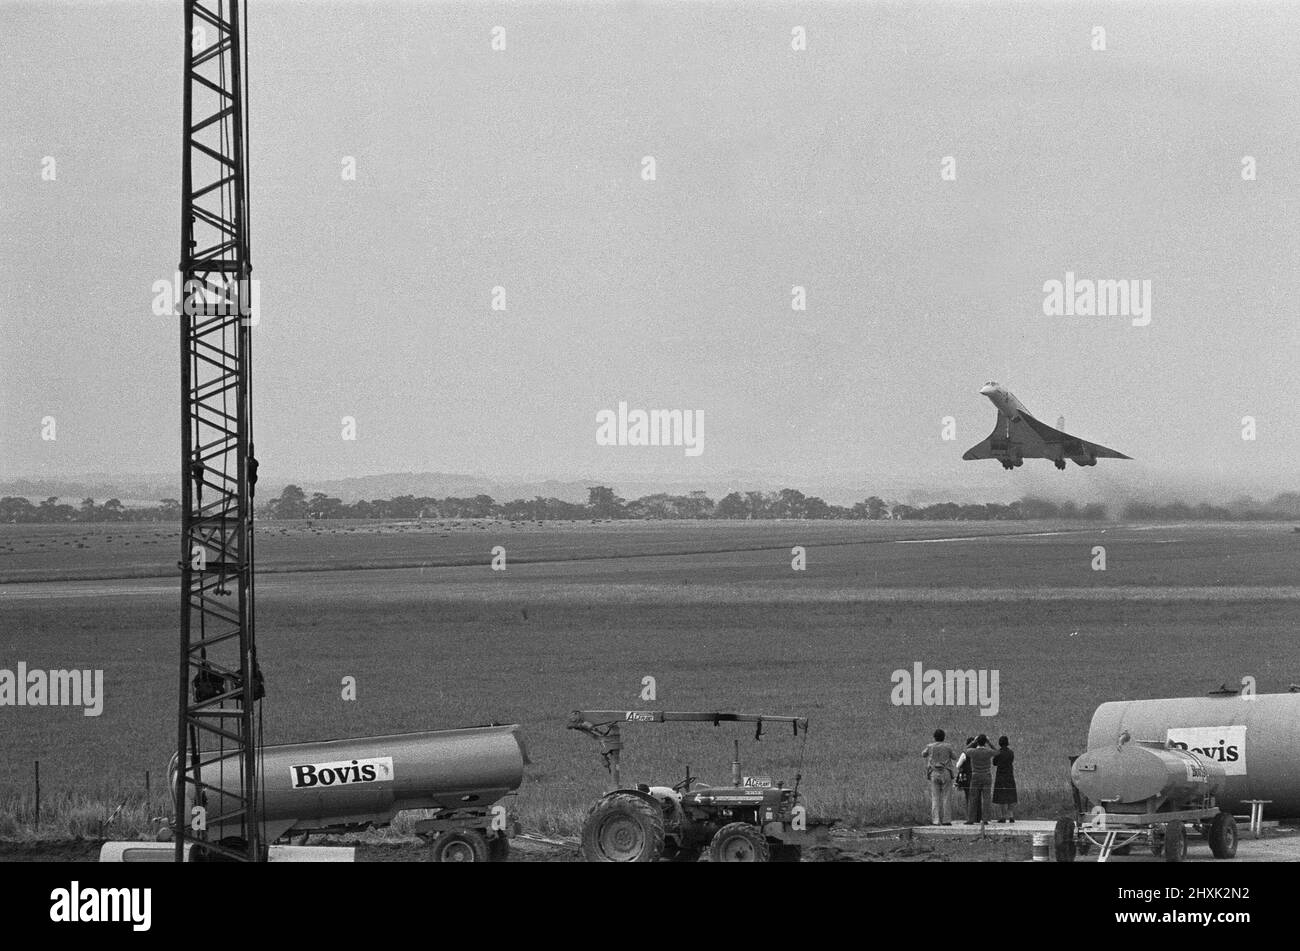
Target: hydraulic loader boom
(606,726)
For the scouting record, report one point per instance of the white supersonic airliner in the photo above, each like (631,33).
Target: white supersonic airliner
(1018,436)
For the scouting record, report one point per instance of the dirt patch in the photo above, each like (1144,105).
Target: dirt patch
(75,850)
(523,848)
(527,848)
(903,847)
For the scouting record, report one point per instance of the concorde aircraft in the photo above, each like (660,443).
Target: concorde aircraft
(1019,436)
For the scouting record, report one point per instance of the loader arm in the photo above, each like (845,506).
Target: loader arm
(586,720)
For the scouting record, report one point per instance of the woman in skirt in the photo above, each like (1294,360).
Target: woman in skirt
(1004,781)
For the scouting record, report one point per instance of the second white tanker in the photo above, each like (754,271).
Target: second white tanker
(1255,738)
(461,775)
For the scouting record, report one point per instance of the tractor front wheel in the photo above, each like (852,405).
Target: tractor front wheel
(739,842)
(623,828)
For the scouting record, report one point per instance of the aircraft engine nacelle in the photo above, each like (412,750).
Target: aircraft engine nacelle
(1141,777)
(1010,457)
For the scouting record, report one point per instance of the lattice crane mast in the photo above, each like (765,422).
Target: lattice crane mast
(218,722)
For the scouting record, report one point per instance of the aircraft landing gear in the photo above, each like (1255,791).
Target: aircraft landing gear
(1060,463)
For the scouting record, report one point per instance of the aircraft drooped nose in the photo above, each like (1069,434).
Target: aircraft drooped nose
(988,389)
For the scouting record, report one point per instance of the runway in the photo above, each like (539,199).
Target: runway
(537,584)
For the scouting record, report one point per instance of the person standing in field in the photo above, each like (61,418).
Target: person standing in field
(1004,781)
(940,758)
(963,775)
(979,796)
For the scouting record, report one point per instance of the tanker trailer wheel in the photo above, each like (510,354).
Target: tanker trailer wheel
(1223,836)
(1175,842)
(1063,841)
(499,848)
(1157,841)
(739,842)
(623,828)
(464,845)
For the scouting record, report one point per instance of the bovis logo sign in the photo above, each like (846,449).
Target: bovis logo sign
(352,772)
(1226,745)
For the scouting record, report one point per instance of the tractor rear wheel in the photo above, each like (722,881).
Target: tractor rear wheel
(463,845)
(1223,836)
(739,842)
(1175,842)
(623,828)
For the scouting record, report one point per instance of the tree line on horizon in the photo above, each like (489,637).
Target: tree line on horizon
(602,503)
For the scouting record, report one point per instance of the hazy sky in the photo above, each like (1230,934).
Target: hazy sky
(775,167)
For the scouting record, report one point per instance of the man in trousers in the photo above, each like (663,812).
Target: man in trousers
(940,758)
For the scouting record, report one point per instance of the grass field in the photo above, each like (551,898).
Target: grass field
(712,611)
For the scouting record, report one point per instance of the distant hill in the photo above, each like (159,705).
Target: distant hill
(143,488)
(153,488)
(439,485)
(839,489)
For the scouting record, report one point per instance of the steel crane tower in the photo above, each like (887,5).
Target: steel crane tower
(220,687)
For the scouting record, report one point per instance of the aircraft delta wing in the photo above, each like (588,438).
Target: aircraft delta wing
(1018,436)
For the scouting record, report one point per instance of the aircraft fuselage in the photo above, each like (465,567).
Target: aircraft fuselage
(1005,401)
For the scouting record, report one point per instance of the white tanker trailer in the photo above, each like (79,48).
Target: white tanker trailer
(1254,737)
(349,784)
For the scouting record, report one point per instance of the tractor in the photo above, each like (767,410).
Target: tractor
(751,820)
